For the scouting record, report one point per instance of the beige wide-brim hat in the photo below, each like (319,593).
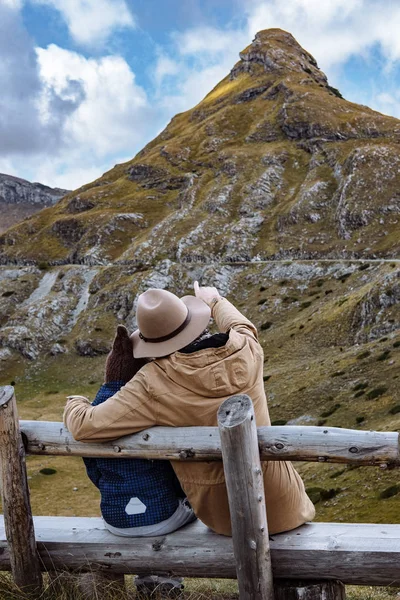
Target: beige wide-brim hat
(167,323)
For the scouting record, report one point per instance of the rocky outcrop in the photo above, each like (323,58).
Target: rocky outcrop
(278,52)
(20,199)
(14,190)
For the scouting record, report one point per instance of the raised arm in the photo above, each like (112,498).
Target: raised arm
(225,314)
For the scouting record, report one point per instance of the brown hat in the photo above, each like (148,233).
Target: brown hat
(166,323)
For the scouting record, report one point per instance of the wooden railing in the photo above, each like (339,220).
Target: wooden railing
(236,440)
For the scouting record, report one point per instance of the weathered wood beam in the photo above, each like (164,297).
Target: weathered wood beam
(24,559)
(307,443)
(360,553)
(245,486)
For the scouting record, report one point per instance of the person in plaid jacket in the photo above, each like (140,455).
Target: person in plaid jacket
(138,497)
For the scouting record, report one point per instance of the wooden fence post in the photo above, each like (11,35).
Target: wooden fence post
(244,482)
(18,521)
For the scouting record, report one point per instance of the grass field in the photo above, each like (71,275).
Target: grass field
(65,587)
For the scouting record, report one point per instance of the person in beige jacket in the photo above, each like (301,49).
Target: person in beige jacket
(190,375)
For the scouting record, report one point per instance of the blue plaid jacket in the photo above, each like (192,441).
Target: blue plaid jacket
(134,492)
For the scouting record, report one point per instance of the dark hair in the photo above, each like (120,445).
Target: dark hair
(204,335)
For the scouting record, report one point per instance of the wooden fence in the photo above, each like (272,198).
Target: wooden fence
(240,445)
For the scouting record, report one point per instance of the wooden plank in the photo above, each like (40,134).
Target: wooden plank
(308,443)
(24,560)
(244,483)
(354,553)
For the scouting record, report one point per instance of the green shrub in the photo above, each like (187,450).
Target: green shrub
(385,354)
(389,492)
(47,471)
(306,304)
(360,419)
(266,325)
(337,473)
(376,392)
(396,344)
(360,386)
(314,493)
(266,377)
(363,267)
(363,355)
(262,288)
(330,411)
(334,91)
(262,301)
(279,422)
(394,410)
(43,265)
(317,493)
(359,394)
(319,282)
(338,373)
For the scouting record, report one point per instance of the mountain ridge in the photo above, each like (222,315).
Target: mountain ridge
(20,198)
(271,164)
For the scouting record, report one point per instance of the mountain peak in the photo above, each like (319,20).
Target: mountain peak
(277,51)
(272,164)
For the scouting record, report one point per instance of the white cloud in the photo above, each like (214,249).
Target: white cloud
(92,21)
(388,104)
(14,4)
(165,67)
(332,30)
(111,114)
(108,117)
(208,40)
(202,57)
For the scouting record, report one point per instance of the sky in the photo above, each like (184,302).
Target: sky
(85,84)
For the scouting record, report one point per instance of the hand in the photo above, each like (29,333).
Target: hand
(208,294)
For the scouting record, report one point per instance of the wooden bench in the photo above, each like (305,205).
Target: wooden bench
(356,554)
(365,554)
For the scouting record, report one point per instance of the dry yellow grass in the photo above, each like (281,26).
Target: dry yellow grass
(66,587)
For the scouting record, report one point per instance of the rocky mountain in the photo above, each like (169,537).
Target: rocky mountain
(273,163)
(20,199)
(273,188)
